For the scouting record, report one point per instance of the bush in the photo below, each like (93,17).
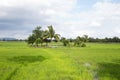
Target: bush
(65,43)
(83,45)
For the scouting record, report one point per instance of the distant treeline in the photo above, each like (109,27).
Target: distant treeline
(114,39)
(5,39)
(90,39)
(105,40)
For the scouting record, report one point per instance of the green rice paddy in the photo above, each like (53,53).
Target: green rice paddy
(97,61)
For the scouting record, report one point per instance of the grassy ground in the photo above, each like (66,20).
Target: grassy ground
(97,61)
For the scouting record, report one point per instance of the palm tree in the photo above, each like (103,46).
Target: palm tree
(78,41)
(45,36)
(85,38)
(57,37)
(51,32)
(40,36)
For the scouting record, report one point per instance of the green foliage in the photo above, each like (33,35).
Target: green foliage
(31,39)
(85,38)
(80,41)
(37,32)
(105,40)
(40,36)
(36,36)
(65,41)
(38,41)
(83,45)
(51,32)
(57,37)
(45,34)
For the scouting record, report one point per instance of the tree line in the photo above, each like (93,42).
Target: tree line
(39,36)
(106,39)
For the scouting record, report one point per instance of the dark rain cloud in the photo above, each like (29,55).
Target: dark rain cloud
(21,18)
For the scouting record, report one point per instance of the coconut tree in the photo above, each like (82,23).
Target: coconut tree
(78,41)
(85,38)
(57,37)
(45,36)
(51,32)
(40,36)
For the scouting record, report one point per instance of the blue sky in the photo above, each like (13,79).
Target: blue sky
(70,18)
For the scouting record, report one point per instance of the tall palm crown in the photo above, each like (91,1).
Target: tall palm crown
(51,32)
(57,37)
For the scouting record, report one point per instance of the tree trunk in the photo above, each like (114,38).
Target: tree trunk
(51,43)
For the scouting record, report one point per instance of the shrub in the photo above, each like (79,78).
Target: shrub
(66,43)
(83,45)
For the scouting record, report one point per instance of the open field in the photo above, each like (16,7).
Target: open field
(97,61)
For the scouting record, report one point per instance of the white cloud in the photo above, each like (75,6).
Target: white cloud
(95,24)
(100,21)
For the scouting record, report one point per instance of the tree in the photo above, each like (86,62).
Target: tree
(40,36)
(57,37)
(38,41)
(85,38)
(51,32)
(115,39)
(36,36)
(31,39)
(71,40)
(78,41)
(45,37)
(65,41)
(83,45)
(38,32)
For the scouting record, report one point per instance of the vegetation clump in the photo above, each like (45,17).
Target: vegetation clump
(83,45)
(65,41)
(40,36)
(80,41)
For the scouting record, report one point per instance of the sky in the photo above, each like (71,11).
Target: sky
(70,18)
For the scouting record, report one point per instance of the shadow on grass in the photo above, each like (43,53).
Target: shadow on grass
(27,59)
(23,61)
(111,70)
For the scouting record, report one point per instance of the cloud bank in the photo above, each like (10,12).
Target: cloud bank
(69,17)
